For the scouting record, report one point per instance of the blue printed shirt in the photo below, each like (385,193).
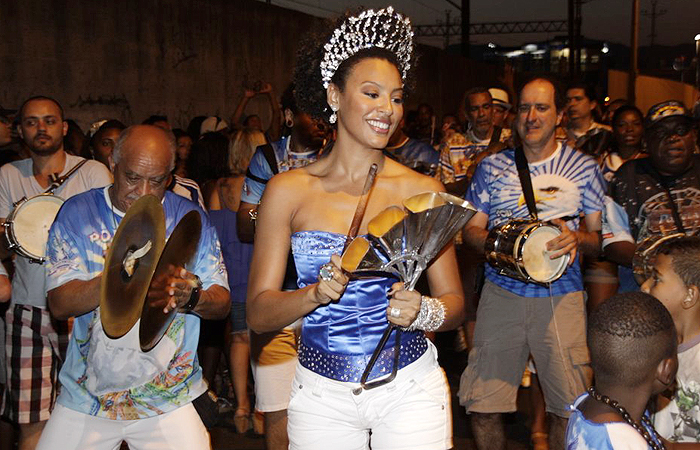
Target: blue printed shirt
(566,185)
(113,378)
(259,167)
(583,434)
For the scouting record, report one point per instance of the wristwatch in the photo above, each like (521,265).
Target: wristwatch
(194,296)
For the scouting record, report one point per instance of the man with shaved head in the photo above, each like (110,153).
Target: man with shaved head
(112,391)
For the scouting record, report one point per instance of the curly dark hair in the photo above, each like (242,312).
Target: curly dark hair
(628,335)
(309,92)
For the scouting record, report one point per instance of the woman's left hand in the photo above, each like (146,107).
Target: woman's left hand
(404,305)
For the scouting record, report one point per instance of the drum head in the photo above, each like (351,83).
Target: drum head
(536,257)
(32,221)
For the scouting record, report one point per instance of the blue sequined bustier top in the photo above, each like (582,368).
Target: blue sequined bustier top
(338,339)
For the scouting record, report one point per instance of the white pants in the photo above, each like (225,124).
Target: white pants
(411,412)
(72,430)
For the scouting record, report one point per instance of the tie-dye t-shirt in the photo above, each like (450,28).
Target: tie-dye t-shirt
(582,434)
(566,185)
(113,378)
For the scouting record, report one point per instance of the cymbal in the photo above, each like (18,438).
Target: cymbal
(129,265)
(179,252)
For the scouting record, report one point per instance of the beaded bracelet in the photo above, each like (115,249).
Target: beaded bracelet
(431,315)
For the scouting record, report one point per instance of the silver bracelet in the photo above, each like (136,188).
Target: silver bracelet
(431,315)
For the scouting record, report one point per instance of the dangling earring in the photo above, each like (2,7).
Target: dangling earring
(334,117)
(289,122)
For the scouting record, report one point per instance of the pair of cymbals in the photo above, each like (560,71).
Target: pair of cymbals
(138,254)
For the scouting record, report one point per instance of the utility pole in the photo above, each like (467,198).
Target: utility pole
(634,44)
(572,34)
(653,14)
(466,24)
(578,36)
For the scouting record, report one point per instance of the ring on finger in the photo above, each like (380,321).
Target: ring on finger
(395,312)
(326,272)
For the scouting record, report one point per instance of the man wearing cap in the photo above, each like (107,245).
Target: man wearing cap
(658,195)
(501,107)
(460,154)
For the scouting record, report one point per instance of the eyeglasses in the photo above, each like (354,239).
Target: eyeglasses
(662,132)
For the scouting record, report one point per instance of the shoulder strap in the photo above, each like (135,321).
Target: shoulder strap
(495,139)
(57,181)
(671,201)
(525,181)
(269,154)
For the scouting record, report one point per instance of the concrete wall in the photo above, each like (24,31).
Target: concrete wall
(128,59)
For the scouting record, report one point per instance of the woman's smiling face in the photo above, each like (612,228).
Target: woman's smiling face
(371,105)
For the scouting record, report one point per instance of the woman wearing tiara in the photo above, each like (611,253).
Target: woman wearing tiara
(354,78)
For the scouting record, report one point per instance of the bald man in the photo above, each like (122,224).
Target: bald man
(112,391)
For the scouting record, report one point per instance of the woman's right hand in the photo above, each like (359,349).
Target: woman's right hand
(330,290)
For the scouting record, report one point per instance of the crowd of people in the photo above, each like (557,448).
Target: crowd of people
(609,345)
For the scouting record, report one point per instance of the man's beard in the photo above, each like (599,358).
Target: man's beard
(47,149)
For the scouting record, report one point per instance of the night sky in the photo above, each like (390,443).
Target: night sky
(608,20)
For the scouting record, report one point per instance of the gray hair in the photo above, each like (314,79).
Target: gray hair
(126,134)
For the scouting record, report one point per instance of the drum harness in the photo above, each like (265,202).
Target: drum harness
(57,181)
(526,184)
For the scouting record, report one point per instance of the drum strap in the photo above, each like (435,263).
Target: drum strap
(525,181)
(495,140)
(57,181)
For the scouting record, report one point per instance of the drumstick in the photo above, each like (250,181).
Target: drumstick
(361,206)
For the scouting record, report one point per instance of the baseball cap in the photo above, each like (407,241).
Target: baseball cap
(500,98)
(664,110)
(212,123)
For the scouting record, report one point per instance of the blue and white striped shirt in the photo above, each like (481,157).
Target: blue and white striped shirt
(566,184)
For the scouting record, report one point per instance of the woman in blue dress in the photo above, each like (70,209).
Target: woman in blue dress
(355,78)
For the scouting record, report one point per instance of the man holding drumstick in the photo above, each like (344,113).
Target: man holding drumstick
(32,369)
(515,318)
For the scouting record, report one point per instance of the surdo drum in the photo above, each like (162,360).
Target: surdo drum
(518,249)
(27,226)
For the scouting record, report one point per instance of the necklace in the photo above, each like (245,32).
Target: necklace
(654,442)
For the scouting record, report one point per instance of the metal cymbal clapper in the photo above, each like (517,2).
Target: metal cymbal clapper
(137,256)
(402,242)
(129,267)
(178,252)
